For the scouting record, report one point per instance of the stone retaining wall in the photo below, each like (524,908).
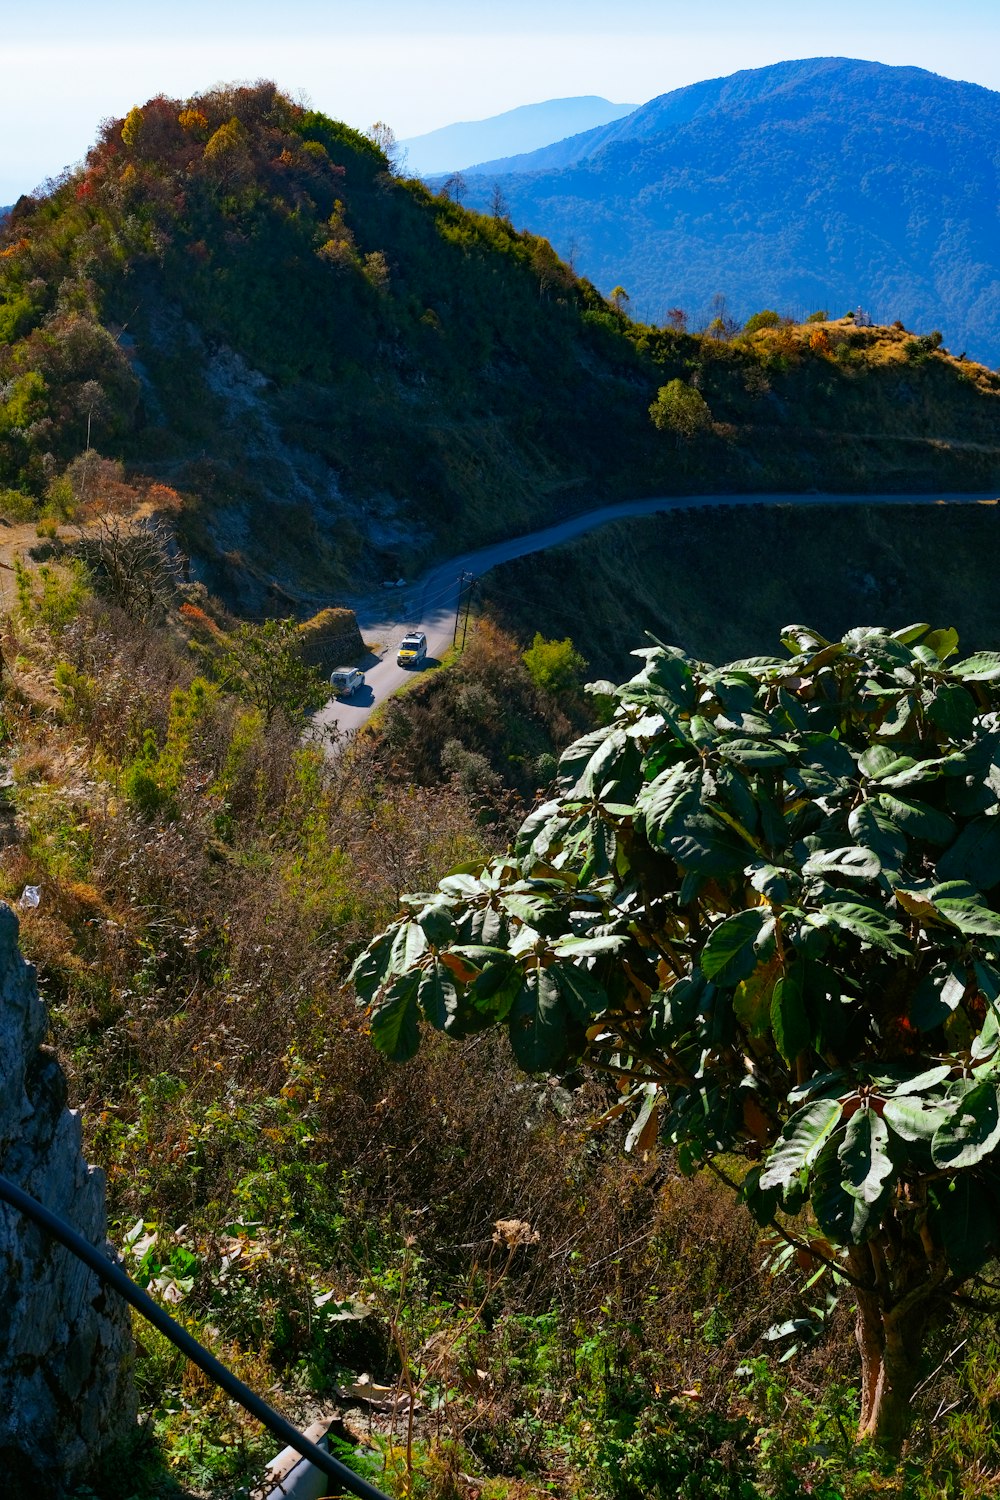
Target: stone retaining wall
(65,1343)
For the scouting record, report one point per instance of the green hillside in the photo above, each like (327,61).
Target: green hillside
(724,581)
(337,370)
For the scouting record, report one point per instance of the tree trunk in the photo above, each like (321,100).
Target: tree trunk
(890,1339)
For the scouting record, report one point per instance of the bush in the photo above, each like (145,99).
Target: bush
(16,506)
(680,409)
(767,318)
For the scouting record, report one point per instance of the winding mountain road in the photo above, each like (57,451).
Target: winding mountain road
(430,602)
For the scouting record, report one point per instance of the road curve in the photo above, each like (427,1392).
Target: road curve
(430,602)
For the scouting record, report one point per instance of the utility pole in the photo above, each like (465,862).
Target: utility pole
(468,601)
(464,580)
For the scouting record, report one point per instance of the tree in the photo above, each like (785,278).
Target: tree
(722,324)
(680,409)
(499,207)
(384,137)
(264,664)
(619,298)
(555,666)
(765,901)
(134,561)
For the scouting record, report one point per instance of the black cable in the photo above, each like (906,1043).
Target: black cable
(126,1287)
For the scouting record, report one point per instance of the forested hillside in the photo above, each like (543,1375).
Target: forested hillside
(828,182)
(335,369)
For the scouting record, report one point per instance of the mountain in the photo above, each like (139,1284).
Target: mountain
(235,311)
(826,183)
(454,147)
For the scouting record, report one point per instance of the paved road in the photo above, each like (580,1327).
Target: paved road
(429,604)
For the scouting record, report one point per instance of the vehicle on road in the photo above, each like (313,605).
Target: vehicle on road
(412,649)
(346,680)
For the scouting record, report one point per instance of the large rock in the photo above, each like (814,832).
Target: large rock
(65,1343)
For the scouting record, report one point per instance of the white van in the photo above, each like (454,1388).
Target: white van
(346,680)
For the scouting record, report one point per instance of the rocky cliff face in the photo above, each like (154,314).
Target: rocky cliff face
(65,1343)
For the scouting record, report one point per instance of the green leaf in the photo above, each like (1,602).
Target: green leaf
(494,990)
(870,826)
(730,954)
(789,1016)
(914,1118)
(438,996)
(408,947)
(969,916)
(370,968)
(984,666)
(864,1160)
(587,947)
(916,818)
(662,802)
(533,911)
(585,996)
(800,1142)
(868,924)
(855,861)
(975,855)
(772,881)
(936,996)
(908,634)
(964,1218)
(437,925)
(705,846)
(879,761)
(953,711)
(394,1022)
(537,1022)
(972,1131)
(754,754)
(846,1217)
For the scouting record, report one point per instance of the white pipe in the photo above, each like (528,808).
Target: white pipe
(292,1477)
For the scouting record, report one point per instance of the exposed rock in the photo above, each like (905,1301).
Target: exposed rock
(65,1343)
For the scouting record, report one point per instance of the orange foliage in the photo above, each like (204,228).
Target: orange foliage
(196,616)
(164,498)
(819,340)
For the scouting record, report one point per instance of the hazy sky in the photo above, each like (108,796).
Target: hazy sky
(66,64)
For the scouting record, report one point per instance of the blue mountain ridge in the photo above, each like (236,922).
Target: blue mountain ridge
(529,126)
(825,182)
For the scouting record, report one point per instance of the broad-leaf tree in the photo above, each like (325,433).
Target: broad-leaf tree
(264,664)
(765,901)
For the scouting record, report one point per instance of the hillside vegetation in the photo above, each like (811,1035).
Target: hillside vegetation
(338,371)
(348,1233)
(825,182)
(726,580)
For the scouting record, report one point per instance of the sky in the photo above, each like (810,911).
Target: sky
(420,64)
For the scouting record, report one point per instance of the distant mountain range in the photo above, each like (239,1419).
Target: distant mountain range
(455,147)
(826,183)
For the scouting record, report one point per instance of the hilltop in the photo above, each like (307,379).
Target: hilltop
(827,182)
(335,373)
